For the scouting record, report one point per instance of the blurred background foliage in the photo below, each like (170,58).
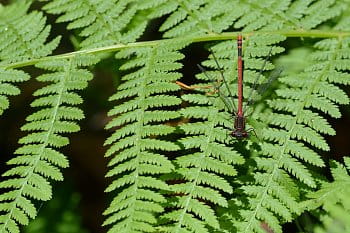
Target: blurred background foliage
(59,215)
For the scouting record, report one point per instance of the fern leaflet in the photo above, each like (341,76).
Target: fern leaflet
(7,77)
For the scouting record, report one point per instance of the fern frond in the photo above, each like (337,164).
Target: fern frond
(195,17)
(296,125)
(38,159)
(333,197)
(210,160)
(205,16)
(137,146)
(342,24)
(274,14)
(203,172)
(23,36)
(276,200)
(102,23)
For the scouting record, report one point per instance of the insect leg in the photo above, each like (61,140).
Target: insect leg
(229,105)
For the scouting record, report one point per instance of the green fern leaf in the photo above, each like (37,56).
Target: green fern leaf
(274,203)
(333,197)
(205,16)
(274,14)
(201,172)
(196,17)
(102,23)
(293,128)
(22,35)
(136,146)
(38,159)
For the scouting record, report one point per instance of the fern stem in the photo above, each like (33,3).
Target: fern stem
(138,133)
(195,39)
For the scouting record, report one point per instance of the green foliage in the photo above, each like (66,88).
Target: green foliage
(173,163)
(198,17)
(38,159)
(102,23)
(194,17)
(137,146)
(7,77)
(23,36)
(277,202)
(204,168)
(207,166)
(334,199)
(294,135)
(274,14)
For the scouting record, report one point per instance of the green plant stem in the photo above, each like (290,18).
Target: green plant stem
(202,38)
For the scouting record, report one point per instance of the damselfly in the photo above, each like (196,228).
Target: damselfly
(239,130)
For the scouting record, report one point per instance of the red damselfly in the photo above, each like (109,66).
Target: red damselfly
(239,130)
(239,126)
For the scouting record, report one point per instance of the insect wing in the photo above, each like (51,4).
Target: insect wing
(255,95)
